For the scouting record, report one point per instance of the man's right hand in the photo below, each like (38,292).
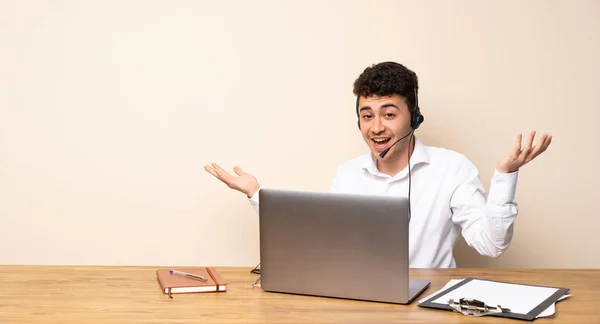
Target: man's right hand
(244,182)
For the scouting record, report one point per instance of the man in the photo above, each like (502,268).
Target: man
(443,186)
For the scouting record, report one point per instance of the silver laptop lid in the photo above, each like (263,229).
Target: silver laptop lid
(334,245)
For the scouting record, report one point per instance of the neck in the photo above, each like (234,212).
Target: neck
(397,159)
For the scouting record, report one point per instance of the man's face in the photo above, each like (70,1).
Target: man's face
(383,120)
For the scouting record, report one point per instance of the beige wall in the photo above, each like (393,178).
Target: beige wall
(110,109)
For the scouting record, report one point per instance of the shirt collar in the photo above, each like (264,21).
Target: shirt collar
(420,155)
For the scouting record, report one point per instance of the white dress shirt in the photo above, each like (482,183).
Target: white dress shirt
(446,196)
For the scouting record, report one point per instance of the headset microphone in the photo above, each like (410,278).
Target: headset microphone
(385,152)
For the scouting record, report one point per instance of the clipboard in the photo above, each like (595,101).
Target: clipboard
(523,301)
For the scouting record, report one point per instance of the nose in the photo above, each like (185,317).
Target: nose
(377,126)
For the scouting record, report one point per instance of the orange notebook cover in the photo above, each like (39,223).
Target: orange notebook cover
(174,283)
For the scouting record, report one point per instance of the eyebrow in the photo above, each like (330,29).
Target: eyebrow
(387,105)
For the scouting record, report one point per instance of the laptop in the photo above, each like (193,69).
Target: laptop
(336,245)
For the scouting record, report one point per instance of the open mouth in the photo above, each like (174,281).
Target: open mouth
(381,143)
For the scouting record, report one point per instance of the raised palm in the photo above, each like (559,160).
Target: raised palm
(244,182)
(521,155)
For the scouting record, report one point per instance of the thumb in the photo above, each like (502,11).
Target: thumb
(239,171)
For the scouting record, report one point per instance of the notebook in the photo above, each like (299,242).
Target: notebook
(175,284)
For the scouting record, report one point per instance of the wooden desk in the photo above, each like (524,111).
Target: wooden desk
(73,294)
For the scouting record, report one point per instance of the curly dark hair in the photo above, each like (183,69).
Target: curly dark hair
(386,79)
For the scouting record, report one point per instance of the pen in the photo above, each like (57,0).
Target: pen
(185,274)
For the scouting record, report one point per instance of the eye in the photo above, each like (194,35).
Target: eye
(390,115)
(366,116)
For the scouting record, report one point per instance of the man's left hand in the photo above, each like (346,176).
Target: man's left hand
(521,155)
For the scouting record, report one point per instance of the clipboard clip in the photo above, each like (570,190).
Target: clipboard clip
(474,307)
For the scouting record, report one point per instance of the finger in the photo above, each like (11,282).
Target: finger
(211,171)
(543,146)
(223,175)
(547,142)
(238,171)
(528,144)
(219,169)
(517,147)
(537,149)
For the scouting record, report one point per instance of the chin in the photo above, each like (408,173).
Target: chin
(377,152)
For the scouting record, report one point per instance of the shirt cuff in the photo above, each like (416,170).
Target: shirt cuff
(503,187)
(254,198)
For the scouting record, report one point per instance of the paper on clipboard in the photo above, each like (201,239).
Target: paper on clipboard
(542,293)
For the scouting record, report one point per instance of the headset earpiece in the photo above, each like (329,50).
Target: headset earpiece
(416,119)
